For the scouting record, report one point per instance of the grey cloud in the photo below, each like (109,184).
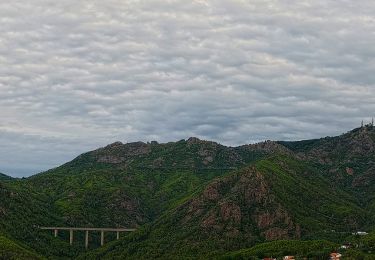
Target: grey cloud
(78,75)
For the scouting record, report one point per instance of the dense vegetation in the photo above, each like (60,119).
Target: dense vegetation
(242,209)
(11,250)
(200,199)
(4,177)
(315,249)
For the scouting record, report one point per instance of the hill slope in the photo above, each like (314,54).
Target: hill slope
(22,210)
(4,177)
(276,198)
(124,185)
(197,198)
(14,251)
(348,161)
(315,249)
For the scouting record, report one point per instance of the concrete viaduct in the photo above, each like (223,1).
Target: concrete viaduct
(101,230)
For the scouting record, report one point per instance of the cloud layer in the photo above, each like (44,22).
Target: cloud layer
(76,75)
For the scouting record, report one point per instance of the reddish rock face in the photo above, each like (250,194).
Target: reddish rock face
(229,211)
(354,148)
(209,221)
(275,233)
(349,171)
(228,205)
(265,220)
(211,192)
(364,180)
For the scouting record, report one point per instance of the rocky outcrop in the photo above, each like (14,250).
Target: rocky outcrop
(130,206)
(110,159)
(117,152)
(348,160)
(240,204)
(230,211)
(366,179)
(349,171)
(269,147)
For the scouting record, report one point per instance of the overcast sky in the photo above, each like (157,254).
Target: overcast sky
(77,75)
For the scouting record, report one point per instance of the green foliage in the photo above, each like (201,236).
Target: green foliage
(199,199)
(314,202)
(14,251)
(315,249)
(4,177)
(290,183)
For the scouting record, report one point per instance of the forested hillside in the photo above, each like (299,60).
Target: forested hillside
(195,198)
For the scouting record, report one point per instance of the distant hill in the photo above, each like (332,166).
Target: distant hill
(196,198)
(4,177)
(348,161)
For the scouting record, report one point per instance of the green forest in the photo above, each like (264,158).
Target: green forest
(196,199)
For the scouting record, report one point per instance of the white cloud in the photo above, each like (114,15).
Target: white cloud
(75,75)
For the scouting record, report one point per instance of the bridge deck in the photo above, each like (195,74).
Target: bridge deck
(90,229)
(87,229)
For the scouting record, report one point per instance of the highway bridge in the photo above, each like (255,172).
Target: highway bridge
(87,230)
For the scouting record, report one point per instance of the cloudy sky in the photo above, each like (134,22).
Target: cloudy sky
(77,75)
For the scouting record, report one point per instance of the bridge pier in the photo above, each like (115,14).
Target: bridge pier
(87,229)
(102,238)
(87,239)
(71,236)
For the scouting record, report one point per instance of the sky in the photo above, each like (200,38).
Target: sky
(77,75)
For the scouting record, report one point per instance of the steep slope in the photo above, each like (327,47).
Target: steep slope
(347,160)
(317,204)
(196,198)
(274,199)
(124,185)
(315,249)
(4,177)
(14,251)
(131,184)
(22,209)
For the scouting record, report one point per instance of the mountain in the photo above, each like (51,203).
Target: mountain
(4,177)
(347,160)
(275,198)
(137,180)
(125,185)
(196,198)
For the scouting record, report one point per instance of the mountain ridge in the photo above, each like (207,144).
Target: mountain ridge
(5,177)
(177,192)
